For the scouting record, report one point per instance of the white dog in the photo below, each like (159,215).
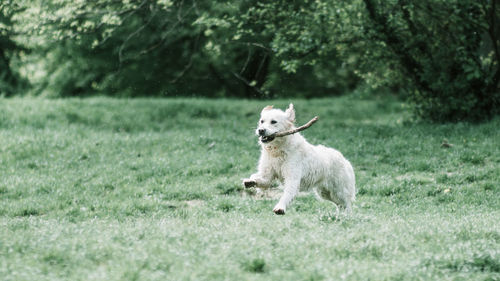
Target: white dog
(299,165)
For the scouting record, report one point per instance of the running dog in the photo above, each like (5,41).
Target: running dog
(299,165)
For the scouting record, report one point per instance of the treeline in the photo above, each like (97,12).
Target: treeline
(442,54)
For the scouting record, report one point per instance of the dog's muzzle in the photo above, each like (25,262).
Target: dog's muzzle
(266,139)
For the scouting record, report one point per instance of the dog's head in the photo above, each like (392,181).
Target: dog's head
(274,120)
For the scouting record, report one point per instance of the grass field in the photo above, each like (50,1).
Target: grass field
(150,189)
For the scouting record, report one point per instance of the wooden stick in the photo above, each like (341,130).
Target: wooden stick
(296,130)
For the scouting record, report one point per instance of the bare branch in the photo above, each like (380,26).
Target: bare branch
(252,44)
(133,34)
(296,130)
(246,82)
(249,56)
(164,37)
(190,63)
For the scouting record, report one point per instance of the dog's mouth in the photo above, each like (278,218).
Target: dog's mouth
(266,139)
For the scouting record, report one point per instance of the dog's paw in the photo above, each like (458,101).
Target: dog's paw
(249,183)
(279,210)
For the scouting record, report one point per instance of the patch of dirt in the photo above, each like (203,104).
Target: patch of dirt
(194,203)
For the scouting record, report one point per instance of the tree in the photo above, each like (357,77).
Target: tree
(10,80)
(444,54)
(160,47)
(447,50)
(120,48)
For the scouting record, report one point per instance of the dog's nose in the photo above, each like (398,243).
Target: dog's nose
(262,132)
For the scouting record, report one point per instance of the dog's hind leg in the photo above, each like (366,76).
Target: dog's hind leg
(347,207)
(341,203)
(344,202)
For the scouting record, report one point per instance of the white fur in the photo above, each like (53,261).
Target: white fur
(299,165)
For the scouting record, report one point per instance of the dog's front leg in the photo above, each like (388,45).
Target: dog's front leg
(258,179)
(264,176)
(292,185)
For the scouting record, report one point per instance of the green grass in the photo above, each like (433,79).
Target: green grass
(150,189)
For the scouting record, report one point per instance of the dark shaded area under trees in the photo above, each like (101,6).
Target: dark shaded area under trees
(444,56)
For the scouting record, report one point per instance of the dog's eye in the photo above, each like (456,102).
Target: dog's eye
(274,121)
(261,121)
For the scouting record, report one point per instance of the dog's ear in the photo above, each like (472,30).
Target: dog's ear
(269,107)
(290,113)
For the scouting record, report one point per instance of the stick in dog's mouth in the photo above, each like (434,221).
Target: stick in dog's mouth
(290,132)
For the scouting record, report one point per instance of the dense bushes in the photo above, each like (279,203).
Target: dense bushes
(443,54)
(448,52)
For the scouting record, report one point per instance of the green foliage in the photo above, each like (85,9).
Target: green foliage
(130,48)
(160,48)
(443,55)
(300,37)
(157,48)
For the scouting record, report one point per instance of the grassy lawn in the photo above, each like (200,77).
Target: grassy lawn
(150,189)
